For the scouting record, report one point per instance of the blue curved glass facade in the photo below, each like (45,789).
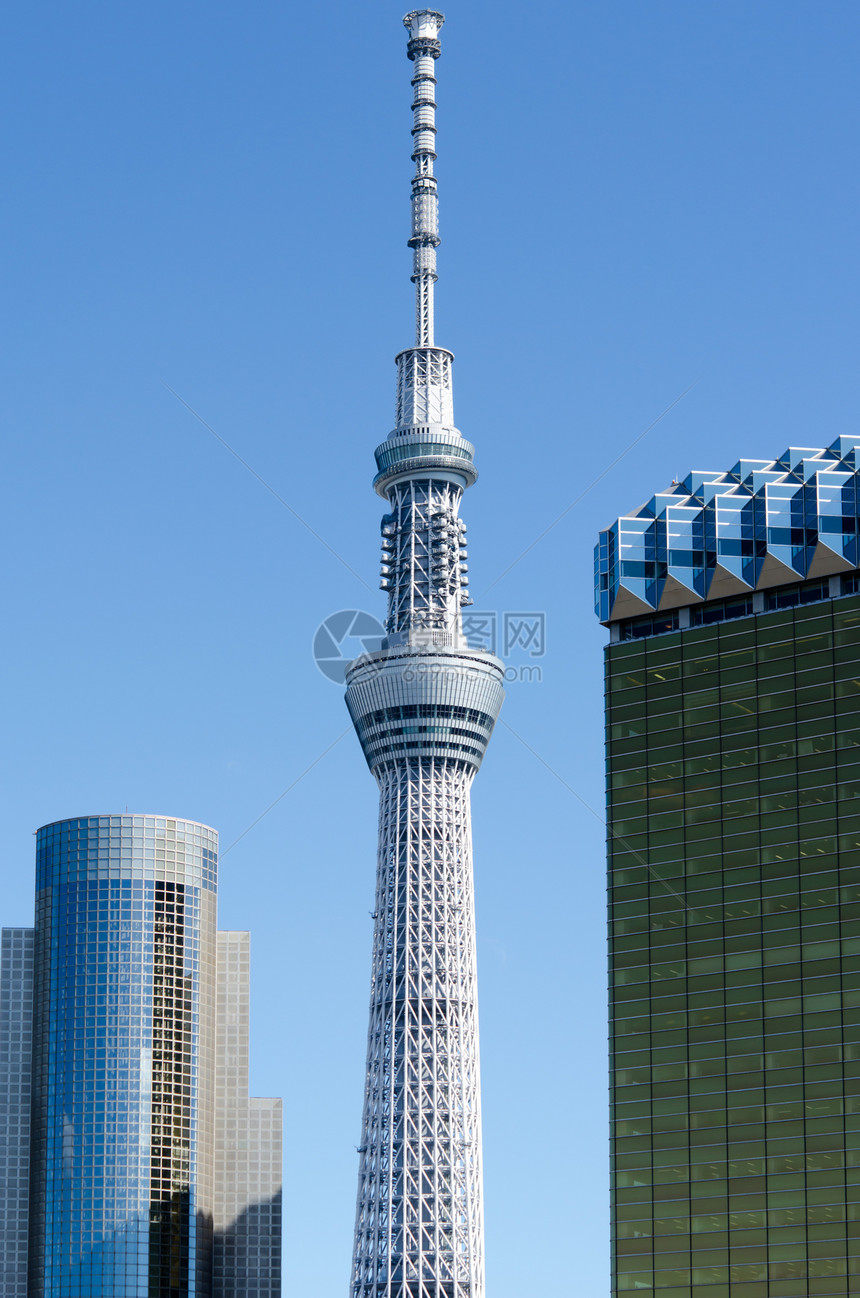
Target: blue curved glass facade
(125,958)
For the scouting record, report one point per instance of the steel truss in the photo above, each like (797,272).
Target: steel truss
(419,1225)
(424,557)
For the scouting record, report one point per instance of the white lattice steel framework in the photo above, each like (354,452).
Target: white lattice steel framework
(424,707)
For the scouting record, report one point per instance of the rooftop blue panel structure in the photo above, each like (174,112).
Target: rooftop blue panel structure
(713,536)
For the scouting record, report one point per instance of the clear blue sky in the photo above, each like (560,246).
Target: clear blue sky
(634,198)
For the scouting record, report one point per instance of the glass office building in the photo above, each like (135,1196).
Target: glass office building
(121,1076)
(16,1039)
(733,744)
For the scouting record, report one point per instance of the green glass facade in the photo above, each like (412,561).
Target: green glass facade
(734,888)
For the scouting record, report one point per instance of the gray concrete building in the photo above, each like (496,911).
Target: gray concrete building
(248,1142)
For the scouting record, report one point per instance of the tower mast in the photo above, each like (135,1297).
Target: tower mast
(423,49)
(423,707)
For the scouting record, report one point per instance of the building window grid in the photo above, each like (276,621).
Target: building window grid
(98,1126)
(668,1278)
(101,997)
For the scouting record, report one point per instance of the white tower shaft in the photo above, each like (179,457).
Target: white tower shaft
(423,707)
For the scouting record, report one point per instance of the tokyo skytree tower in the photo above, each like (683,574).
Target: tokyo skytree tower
(423,707)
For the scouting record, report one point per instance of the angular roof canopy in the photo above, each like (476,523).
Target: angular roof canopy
(764,523)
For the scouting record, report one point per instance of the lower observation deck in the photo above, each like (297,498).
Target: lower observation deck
(408,702)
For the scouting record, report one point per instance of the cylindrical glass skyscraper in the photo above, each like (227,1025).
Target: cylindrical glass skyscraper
(123,1058)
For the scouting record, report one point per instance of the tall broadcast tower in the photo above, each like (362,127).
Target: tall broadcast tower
(423,707)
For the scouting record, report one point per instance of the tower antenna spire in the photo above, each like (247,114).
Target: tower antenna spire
(423,49)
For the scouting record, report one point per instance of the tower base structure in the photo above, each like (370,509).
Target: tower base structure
(424,719)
